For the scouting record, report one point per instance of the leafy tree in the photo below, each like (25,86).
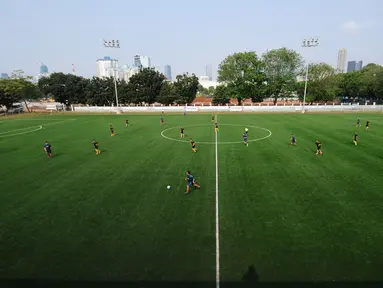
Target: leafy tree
(18,88)
(322,85)
(167,94)
(244,75)
(221,95)
(281,67)
(211,91)
(350,85)
(186,87)
(145,86)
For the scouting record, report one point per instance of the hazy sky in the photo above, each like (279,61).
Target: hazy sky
(185,34)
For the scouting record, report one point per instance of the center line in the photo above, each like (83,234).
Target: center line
(217,276)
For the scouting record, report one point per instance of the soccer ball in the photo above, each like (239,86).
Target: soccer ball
(246,129)
(168,187)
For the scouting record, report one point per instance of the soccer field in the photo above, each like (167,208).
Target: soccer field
(291,215)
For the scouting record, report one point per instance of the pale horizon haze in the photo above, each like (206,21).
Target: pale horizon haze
(184,34)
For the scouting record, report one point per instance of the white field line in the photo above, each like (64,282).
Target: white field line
(217,263)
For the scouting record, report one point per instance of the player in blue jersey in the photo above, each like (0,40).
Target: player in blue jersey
(293,140)
(161,120)
(48,149)
(244,136)
(358,122)
(190,182)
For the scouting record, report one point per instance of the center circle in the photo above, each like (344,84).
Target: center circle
(213,143)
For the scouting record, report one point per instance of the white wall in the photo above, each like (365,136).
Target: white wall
(283,109)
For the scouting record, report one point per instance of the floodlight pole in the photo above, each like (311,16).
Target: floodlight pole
(113,44)
(308,43)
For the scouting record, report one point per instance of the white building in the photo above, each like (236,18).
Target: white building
(104,67)
(342,59)
(206,83)
(141,61)
(129,72)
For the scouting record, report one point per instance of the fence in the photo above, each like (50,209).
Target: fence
(234,109)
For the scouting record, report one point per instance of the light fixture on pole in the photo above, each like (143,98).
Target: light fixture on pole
(113,44)
(308,43)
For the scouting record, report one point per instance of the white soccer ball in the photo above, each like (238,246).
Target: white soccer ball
(168,187)
(246,129)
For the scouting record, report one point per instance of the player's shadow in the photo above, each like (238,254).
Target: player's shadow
(251,276)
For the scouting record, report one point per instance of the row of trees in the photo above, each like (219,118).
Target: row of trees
(276,75)
(242,75)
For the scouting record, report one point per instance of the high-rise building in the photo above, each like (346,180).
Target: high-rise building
(358,65)
(168,72)
(354,66)
(43,68)
(141,61)
(105,67)
(342,58)
(209,71)
(4,76)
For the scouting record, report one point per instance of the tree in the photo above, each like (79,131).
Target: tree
(185,87)
(281,67)
(350,85)
(167,94)
(221,95)
(244,75)
(18,88)
(145,86)
(322,84)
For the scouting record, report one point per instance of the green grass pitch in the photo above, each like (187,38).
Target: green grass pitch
(292,215)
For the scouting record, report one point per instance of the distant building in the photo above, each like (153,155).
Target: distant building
(342,58)
(209,71)
(4,76)
(43,68)
(354,66)
(168,72)
(206,83)
(141,61)
(129,72)
(105,67)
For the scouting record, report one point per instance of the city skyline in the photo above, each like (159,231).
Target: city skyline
(62,43)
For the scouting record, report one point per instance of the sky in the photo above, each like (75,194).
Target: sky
(184,34)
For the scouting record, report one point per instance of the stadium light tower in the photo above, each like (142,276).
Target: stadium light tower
(308,43)
(113,44)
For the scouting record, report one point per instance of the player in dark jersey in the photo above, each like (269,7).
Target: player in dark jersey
(95,145)
(182,131)
(212,118)
(216,127)
(356,138)
(194,148)
(111,130)
(358,122)
(319,147)
(190,182)
(367,124)
(48,149)
(126,123)
(293,140)
(244,136)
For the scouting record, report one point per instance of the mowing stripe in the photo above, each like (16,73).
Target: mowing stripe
(217,276)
